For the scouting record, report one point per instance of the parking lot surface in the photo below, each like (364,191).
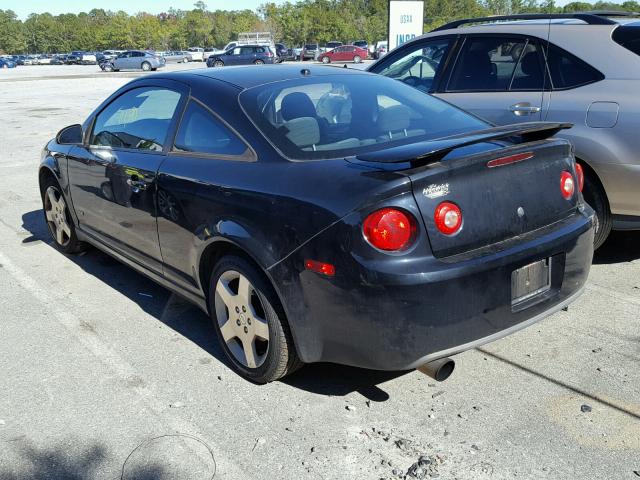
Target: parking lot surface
(106,375)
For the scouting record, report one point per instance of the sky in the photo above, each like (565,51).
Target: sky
(55,7)
(24,7)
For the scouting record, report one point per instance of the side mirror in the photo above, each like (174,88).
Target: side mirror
(71,135)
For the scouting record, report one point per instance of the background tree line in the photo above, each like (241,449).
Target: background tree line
(293,23)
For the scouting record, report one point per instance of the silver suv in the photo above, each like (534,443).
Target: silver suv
(581,68)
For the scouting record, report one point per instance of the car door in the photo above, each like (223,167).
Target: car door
(113,174)
(136,60)
(120,62)
(189,194)
(247,55)
(500,78)
(232,57)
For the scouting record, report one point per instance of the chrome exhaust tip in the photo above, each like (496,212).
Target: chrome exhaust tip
(439,370)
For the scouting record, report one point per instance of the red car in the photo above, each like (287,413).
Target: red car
(345,53)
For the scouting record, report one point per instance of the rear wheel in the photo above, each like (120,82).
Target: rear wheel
(596,197)
(326,59)
(250,322)
(357,59)
(58,219)
(146,66)
(259,62)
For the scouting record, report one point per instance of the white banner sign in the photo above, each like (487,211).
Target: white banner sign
(406,20)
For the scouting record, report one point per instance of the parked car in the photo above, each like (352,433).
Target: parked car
(208,52)
(111,54)
(42,60)
(7,63)
(380,50)
(177,57)
(592,65)
(245,55)
(336,216)
(281,51)
(81,58)
(363,44)
(59,60)
(197,54)
(27,60)
(346,53)
(310,51)
(331,45)
(134,60)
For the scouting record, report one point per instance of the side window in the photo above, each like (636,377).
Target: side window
(628,36)
(528,74)
(486,64)
(140,119)
(202,132)
(568,71)
(259,50)
(419,66)
(138,54)
(246,51)
(236,51)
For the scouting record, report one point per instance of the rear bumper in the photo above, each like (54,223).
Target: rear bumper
(396,321)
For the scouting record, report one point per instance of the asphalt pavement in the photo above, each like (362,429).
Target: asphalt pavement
(106,375)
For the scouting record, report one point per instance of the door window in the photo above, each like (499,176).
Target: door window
(201,132)
(236,51)
(568,71)
(420,66)
(246,51)
(140,119)
(486,64)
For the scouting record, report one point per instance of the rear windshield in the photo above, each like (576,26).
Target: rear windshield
(629,37)
(311,46)
(335,116)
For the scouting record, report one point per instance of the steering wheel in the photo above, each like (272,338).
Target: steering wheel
(412,81)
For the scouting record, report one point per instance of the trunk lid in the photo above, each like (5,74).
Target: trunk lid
(497,202)
(505,180)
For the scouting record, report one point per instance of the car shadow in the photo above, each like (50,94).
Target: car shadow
(193,324)
(618,248)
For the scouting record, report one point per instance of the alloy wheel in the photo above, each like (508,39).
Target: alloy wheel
(241,319)
(56,214)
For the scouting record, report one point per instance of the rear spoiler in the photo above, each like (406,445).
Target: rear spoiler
(435,150)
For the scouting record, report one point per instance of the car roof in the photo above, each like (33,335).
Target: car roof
(248,76)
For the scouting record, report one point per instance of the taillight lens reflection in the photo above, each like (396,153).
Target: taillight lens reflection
(448,218)
(567,185)
(389,229)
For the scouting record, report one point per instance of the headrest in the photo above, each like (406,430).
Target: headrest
(297,105)
(393,119)
(530,64)
(303,131)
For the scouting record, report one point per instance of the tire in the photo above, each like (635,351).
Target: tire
(259,62)
(218,63)
(146,66)
(250,316)
(116,69)
(326,60)
(57,216)
(108,68)
(357,59)
(596,197)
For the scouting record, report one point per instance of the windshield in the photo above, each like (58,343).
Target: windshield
(335,116)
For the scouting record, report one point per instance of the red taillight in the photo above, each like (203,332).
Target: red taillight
(320,267)
(269,54)
(567,185)
(580,174)
(389,229)
(448,218)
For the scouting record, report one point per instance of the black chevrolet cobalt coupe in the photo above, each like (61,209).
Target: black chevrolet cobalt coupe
(324,214)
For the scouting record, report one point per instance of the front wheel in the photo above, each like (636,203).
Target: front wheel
(58,219)
(596,197)
(357,59)
(146,66)
(218,63)
(250,323)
